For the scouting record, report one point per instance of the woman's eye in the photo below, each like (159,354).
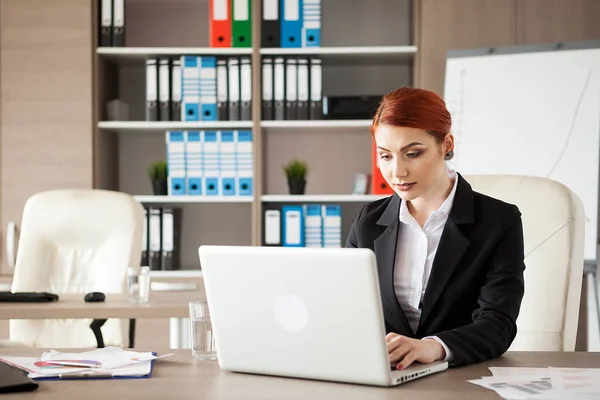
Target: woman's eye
(414,154)
(385,156)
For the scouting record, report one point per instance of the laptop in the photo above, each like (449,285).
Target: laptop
(312,313)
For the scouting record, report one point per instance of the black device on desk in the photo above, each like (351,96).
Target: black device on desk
(27,297)
(13,379)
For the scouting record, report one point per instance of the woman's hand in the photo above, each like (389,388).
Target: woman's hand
(403,351)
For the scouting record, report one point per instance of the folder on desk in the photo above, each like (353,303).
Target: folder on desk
(176,90)
(267,89)
(176,175)
(227,148)
(233,71)
(210,147)
(106,25)
(118,23)
(241,23)
(170,239)
(164,90)
(271,226)
(155,241)
(245,89)
(222,90)
(270,28)
(244,163)
(194,163)
(220,23)
(291,23)
(279,88)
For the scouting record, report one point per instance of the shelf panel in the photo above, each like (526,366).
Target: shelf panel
(325,198)
(182,273)
(350,55)
(317,124)
(139,54)
(147,126)
(193,199)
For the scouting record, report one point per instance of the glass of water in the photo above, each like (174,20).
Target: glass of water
(138,283)
(201,332)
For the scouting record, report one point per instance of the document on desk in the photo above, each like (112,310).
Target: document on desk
(109,362)
(542,383)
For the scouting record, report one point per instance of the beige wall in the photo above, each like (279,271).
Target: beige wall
(45,100)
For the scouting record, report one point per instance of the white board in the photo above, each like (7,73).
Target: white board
(530,111)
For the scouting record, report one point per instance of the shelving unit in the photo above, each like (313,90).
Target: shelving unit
(358,58)
(162,126)
(321,198)
(193,199)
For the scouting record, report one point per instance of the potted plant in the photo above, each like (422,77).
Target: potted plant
(157,172)
(295,172)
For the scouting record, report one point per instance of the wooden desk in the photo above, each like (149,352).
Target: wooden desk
(173,305)
(181,377)
(161,305)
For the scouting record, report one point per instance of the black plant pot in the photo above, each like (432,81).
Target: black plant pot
(296,186)
(159,188)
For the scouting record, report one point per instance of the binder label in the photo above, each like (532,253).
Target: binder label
(220,10)
(292,10)
(240,10)
(270,10)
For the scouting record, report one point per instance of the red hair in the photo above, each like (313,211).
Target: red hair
(414,108)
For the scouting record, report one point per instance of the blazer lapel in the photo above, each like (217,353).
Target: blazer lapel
(385,253)
(452,247)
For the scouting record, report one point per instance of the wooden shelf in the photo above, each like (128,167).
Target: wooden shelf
(350,55)
(193,199)
(148,126)
(324,198)
(317,124)
(139,54)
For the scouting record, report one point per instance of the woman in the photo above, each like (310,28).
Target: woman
(450,260)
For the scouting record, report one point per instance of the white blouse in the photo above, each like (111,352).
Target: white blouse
(415,252)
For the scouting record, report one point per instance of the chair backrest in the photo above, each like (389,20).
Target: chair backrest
(76,241)
(554,229)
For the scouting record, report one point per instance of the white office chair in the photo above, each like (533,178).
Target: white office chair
(554,228)
(76,241)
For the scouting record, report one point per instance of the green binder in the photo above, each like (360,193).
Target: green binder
(241,23)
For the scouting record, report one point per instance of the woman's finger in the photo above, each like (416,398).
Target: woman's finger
(394,343)
(408,359)
(400,352)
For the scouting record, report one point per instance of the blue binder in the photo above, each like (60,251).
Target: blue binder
(211,163)
(194,163)
(208,88)
(190,88)
(227,163)
(311,29)
(244,163)
(176,179)
(291,23)
(293,225)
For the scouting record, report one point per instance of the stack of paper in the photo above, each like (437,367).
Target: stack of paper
(543,383)
(109,362)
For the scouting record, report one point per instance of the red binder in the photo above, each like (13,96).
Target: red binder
(378,183)
(220,23)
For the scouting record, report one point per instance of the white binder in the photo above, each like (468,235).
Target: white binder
(226,140)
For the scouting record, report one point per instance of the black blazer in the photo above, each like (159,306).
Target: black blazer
(475,288)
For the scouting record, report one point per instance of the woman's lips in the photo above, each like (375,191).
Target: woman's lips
(404,187)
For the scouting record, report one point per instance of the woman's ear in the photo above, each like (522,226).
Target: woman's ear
(448,143)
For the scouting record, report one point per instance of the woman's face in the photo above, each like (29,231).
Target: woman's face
(411,160)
